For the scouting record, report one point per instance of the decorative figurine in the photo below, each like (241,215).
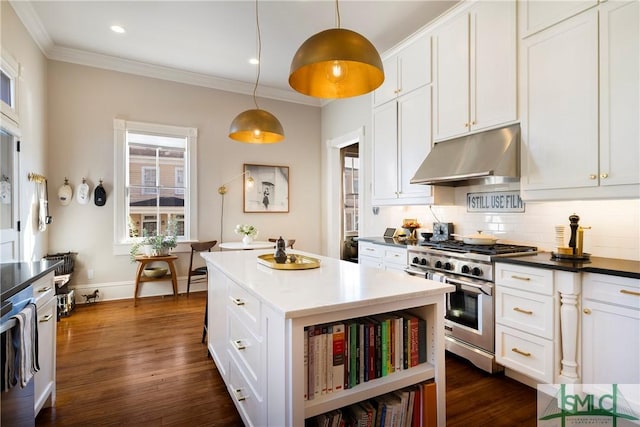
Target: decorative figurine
(280,255)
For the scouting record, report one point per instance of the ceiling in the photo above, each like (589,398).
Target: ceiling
(209,43)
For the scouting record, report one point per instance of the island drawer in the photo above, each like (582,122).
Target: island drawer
(246,348)
(525,278)
(395,256)
(616,290)
(526,311)
(525,353)
(250,406)
(245,306)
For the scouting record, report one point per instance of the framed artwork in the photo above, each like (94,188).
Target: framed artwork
(267,190)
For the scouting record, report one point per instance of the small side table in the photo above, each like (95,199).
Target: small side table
(140,277)
(253,245)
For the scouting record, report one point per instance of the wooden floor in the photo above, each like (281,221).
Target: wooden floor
(145,366)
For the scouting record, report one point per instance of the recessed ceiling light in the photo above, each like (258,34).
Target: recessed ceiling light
(254,61)
(117,29)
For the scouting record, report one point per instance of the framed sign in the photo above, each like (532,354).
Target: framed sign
(497,201)
(267,190)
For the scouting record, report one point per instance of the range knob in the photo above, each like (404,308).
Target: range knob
(416,260)
(465,269)
(423,261)
(448,266)
(476,271)
(438,264)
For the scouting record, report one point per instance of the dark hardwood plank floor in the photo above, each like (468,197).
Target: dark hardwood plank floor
(145,366)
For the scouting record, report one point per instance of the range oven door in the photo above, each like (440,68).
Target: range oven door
(469,312)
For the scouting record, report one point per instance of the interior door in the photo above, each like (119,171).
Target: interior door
(9,197)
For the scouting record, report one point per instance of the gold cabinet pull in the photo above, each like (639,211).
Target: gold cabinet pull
(237,301)
(626,292)
(466,125)
(593,176)
(238,345)
(237,392)
(46,318)
(604,175)
(587,311)
(45,289)
(523,353)
(521,310)
(521,278)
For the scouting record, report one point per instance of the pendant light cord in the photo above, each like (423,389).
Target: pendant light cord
(255,88)
(337,15)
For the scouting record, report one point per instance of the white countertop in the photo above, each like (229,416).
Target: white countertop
(335,285)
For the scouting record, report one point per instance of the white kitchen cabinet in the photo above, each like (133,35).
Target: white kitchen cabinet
(537,323)
(537,15)
(401,141)
(475,70)
(381,256)
(45,379)
(269,309)
(406,70)
(525,320)
(580,103)
(611,334)
(217,324)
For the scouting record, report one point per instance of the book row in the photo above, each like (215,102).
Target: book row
(340,356)
(414,406)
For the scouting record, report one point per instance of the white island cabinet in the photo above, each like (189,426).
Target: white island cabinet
(257,320)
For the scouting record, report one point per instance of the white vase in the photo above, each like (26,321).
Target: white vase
(247,240)
(147,250)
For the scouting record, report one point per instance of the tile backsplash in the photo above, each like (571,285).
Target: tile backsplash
(614,233)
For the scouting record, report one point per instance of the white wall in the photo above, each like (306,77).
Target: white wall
(32,95)
(82,105)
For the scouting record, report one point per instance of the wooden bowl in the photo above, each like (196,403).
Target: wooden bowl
(155,272)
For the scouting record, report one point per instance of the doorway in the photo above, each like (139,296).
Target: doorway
(350,162)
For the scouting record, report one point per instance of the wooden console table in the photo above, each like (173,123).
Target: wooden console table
(140,277)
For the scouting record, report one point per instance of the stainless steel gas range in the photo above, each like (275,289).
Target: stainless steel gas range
(469,316)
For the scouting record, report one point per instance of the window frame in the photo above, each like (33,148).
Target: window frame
(11,68)
(121,242)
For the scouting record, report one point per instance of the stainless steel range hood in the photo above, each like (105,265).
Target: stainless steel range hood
(490,157)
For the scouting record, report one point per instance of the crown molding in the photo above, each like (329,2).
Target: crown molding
(98,60)
(36,29)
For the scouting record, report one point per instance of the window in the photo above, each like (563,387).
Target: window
(9,73)
(156,181)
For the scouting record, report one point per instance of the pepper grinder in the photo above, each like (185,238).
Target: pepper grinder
(573,223)
(280,255)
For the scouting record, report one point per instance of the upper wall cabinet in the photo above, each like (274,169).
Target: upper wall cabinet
(401,141)
(538,15)
(580,104)
(475,70)
(406,70)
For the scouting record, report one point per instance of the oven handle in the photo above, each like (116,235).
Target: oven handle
(471,287)
(414,272)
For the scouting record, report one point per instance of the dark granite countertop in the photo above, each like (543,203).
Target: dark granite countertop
(384,241)
(16,276)
(610,266)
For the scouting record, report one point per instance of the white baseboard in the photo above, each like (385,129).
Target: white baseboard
(111,291)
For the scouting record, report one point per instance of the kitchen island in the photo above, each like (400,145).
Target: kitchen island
(257,320)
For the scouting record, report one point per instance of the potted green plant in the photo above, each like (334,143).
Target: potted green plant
(159,244)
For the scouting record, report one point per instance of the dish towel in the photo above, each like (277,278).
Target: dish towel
(21,348)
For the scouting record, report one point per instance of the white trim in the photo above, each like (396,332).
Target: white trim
(334,188)
(11,67)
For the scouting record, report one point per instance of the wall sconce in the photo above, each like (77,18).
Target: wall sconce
(222,190)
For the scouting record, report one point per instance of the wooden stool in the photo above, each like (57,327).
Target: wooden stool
(140,277)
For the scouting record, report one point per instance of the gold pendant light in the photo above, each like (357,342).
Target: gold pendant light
(256,126)
(336,63)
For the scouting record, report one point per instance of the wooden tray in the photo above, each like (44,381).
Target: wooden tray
(300,262)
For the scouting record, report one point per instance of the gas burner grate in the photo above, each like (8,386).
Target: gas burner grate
(461,247)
